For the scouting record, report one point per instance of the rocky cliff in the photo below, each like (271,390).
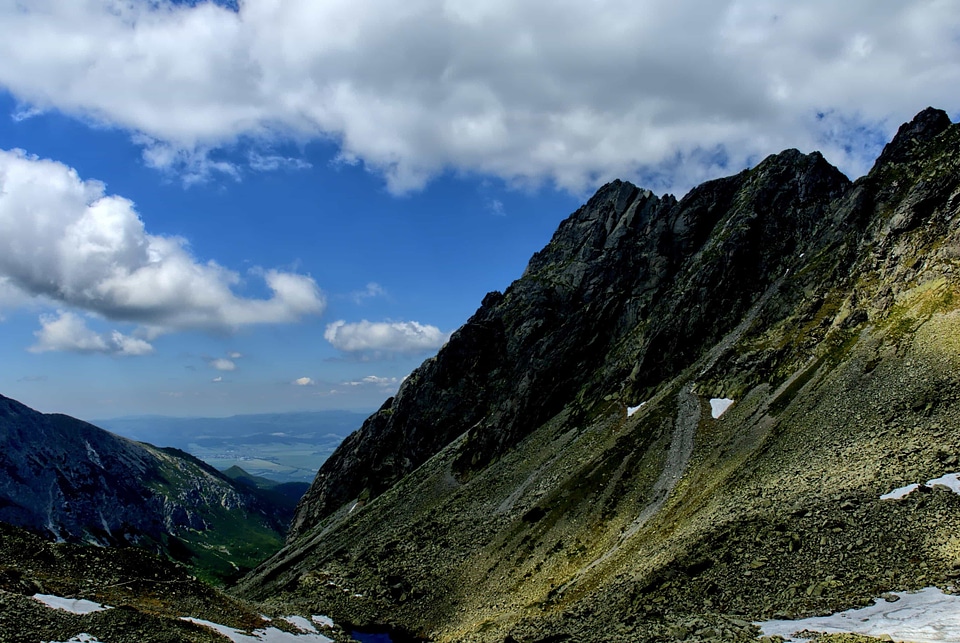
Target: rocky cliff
(69,480)
(555,472)
(629,291)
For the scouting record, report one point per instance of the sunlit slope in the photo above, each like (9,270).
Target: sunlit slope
(69,480)
(827,310)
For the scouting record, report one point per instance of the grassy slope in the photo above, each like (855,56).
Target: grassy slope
(779,511)
(235,539)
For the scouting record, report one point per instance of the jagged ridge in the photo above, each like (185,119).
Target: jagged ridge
(507,490)
(613,272)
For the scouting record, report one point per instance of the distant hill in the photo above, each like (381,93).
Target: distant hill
(287,447)
(69,480)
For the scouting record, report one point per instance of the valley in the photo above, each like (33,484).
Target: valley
(694,419)
(286,447)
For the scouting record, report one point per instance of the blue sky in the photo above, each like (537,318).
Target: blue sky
(212,210)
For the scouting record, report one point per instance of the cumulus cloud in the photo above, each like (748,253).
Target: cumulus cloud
(223,364)
(63,239)
(68,332)
(670,91)
(384,337)
(304,381)
(373,380)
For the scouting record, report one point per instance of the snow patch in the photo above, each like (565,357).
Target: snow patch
(901,492)
(83,637)
(950,480)
(93,455)
(267,635)
(322,621)
(73,605)
(103,521)
(301,623)
(719,406)
(633,409)
(927,616)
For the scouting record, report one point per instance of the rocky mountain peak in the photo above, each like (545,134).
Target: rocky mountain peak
(684,271)
(924,127)
(560,470)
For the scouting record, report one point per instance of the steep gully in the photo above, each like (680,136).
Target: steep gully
(684,431)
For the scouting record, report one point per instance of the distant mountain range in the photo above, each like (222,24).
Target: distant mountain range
(70,480)
(287,447)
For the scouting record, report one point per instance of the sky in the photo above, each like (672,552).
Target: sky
(266,206)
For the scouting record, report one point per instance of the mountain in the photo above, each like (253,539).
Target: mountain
(69,480)
(563,469)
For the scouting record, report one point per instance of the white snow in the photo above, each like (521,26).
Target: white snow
(93,455)
(719,405)
(633,409)
(896,494)
(300,622)
(74,605)
(951,480)
(83,637)
(268,635)
(927,616)
(322,621)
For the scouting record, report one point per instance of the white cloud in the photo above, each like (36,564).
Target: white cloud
(373,380)
(384,337)
(130,345)
(234,355)
(303,381)
(671,91)
(64,240)
(273,162)
(67,331)
(372,290)
(10,296)
(217,379)
(193,165)
(223,364)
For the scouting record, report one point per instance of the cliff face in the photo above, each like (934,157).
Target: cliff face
(69,480)
(628,292)
(507,494)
